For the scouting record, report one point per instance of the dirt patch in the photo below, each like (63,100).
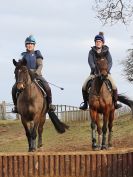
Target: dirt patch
(77,138)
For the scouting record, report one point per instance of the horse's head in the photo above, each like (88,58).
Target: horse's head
(21,74)
(102,66)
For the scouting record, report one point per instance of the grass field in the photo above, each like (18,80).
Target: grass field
(77,138)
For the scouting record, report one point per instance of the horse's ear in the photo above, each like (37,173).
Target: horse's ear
(24,62)
(14,62)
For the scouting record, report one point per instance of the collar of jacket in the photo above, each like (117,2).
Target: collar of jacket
(105,49)
(103,52)
(30,52)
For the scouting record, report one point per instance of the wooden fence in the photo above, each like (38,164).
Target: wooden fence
(3,110)
(64,112)
(68,164)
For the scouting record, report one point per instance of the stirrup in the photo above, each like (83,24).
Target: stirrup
(117,106)
(15,110)
(84,106)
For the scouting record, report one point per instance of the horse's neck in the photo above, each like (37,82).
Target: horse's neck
(99,88)
(97,85)
(29,88)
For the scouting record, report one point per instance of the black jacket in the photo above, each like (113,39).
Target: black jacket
(93,56)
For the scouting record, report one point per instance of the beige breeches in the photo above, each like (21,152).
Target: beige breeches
(93,76)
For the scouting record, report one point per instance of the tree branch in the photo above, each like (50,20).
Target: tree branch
(112,11)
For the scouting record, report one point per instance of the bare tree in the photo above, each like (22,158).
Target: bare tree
(128,66)
(113,11)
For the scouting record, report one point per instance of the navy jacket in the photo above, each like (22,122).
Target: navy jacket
(31,58)
(93,56)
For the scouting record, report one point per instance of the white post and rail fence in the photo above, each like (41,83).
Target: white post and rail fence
(65,112)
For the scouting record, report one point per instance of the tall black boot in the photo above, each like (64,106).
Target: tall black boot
(47,88)
(115,98)
(51,107)
(85,98)
(14,98)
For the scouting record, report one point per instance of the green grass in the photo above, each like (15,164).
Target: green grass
(78,137)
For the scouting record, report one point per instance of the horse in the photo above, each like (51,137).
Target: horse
(100,101)
(32,106)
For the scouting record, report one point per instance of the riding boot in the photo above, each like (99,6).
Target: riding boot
(85,98)
(51,107)
(115,98)
(14,98)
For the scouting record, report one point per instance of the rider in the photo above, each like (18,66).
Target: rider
(34,60)
(100,49)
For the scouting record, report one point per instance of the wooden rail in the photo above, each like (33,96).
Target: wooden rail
(117,163)
(65,112)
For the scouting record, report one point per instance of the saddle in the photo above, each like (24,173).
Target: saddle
(106,81)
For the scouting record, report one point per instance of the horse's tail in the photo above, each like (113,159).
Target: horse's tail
(59,126)
(123,99)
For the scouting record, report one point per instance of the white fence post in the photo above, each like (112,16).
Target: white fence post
(3,110)
(65,112)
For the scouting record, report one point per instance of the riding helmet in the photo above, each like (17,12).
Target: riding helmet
(30,40)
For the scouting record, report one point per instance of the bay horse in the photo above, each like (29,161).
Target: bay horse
(32,106)
(100,101)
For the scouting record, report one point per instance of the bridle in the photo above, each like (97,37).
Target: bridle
(23,78)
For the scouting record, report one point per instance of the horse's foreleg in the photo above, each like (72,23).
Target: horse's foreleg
(33,127)
(104,131)
(93,115)
(93,127)
(99,130)
(27,132)
(40,130)
(110,125)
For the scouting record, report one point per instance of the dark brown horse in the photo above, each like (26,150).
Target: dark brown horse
(32,106)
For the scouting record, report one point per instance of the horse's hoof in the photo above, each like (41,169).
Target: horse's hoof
(104,147)
(40,146)
(32,150)
(110,146)
(99,147)
(95,148)
(41,149)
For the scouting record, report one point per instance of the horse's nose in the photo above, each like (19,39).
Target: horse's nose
(20,86)
(104,73)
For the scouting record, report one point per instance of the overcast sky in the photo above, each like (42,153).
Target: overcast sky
(64,31)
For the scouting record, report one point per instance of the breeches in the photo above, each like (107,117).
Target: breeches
(93,76)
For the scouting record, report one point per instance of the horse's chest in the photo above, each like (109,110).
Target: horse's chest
(98,102)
